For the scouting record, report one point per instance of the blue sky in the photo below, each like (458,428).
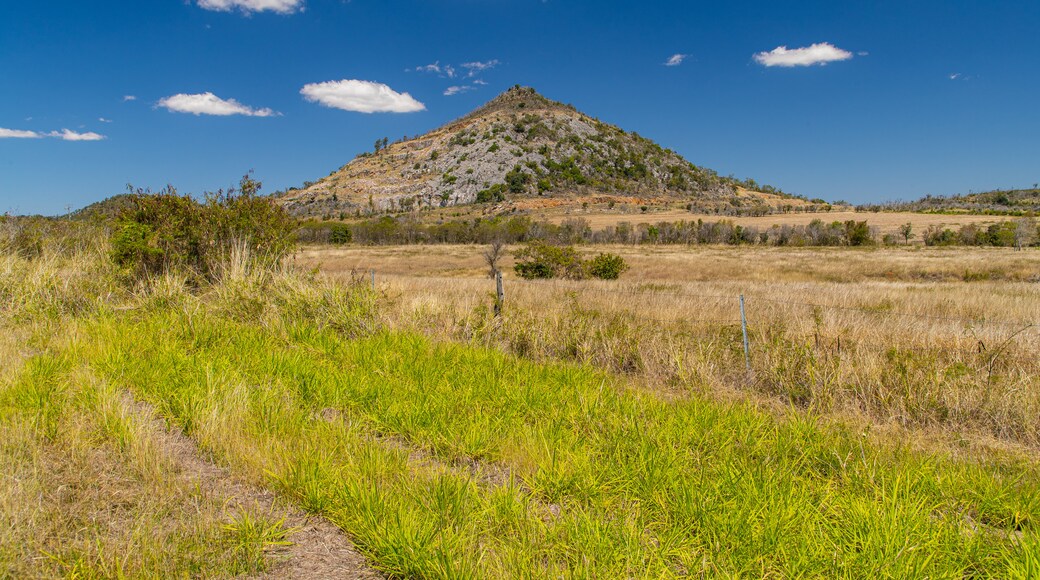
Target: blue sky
(896,99)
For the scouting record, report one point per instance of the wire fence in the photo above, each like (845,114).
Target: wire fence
(978,336)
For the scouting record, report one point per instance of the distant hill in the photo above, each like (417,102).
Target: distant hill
(522,151)
(103,210)
(997,202)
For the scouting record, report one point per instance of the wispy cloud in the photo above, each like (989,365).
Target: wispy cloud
(450,91)
(360,96)
(64,135)
(436,68)
(249,6)
(210,104)
(129,98)
(675,59)
(477,67)
(816,54)
(104,120)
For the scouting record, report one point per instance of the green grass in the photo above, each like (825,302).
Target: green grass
(86,492)
(446,460)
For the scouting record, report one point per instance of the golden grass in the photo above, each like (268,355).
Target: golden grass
(916,337)
(284,377)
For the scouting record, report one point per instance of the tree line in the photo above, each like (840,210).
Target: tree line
(387,230)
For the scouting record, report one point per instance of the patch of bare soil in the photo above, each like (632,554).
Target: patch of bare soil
(319,549)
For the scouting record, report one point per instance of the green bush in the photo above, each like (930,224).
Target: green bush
(495,193)
(340,234)
(518,180)
(607,266)
(169,231)
(540,260)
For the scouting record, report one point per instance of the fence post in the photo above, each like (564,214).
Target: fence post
(500,295)
(373,280)
(743,328)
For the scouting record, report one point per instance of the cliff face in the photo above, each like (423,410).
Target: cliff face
(518,146)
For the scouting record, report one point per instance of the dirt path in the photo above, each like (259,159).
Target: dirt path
(318,550)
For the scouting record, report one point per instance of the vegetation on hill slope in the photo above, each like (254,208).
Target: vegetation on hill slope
(519,145)
(997,202)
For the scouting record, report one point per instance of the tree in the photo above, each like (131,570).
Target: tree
(907,231)
(1025,232)
(492,255)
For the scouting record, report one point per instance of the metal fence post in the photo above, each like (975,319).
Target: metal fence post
(743,328)
(373,280)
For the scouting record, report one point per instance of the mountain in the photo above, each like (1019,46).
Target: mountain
(519,151)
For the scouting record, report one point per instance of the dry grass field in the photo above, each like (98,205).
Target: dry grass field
(295,423)
(886,222)
(924,337)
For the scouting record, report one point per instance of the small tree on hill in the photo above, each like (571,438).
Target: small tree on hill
(907,231)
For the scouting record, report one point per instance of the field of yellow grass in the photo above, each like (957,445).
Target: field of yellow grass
(886,222)
(296,422)
(922,337)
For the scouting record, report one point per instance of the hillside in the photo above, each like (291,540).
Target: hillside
(996,202)
(521,151)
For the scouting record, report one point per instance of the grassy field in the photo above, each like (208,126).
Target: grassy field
(886,222)
(600,430)
(929,338)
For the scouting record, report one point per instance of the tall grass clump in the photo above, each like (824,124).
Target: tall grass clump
(52,269)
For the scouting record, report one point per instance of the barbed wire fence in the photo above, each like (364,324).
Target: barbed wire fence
(751,312)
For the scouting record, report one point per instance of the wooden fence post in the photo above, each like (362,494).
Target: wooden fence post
(743,328)
(500,295)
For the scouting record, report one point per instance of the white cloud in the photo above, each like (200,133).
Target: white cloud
(67,135)
(430,68)
(480,82)
(18,134)
(675,59)
(210,104)
(450,91)
(955,76)
(477,67)
(64,135)
(104,120)
(360,96)
(129,98)
(819,53)
(247,6)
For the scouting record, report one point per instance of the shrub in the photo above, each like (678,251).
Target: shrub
(517,180)
(168,231)
(340,234)
(607,266)
(541,260)
(494,193)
